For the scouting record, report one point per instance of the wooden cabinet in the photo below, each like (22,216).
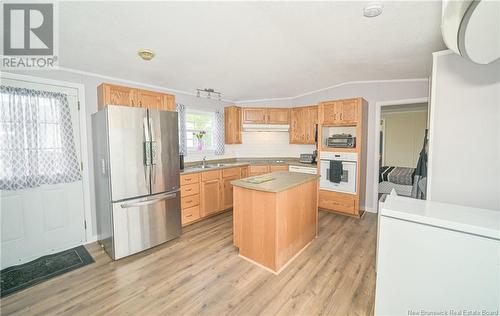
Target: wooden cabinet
(190,198)
(303,122)
(273,168)
(149,99)
(244,172)
(116,95)
(255,170)
(339,202)
(211,192)
(266,115)
(278,116)
(232,125)
(109,94)
(254,115)
(168,103)
(345,116)
(342,112)
(229,175)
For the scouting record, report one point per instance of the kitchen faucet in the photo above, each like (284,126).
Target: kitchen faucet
(204,163)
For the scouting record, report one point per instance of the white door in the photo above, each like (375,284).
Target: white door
(46,219)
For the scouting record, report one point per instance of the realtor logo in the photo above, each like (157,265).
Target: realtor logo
(28,30)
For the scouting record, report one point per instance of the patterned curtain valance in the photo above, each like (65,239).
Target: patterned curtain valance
(37,143)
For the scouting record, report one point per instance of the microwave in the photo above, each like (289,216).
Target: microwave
(341,140)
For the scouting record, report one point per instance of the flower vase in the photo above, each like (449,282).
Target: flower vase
(200,144)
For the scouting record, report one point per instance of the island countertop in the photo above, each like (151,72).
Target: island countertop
(277,181)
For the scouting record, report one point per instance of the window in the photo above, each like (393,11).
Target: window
(37,144)
(197,121)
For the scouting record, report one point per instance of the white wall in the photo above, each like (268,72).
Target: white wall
(373,92)
(464,154)
(403,137)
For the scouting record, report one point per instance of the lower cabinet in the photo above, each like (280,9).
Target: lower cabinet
(338,202)
(255,170)
(211,193)
(227,193)
(273,168)
(207,193)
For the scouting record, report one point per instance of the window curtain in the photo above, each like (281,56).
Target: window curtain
(219,145)
(181,111)
(36,139)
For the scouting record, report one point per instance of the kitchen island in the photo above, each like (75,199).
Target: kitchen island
(275,217)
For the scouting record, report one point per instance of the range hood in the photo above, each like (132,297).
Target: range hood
(266,127)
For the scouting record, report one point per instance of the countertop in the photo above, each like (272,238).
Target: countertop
(281,181)
(195,169)
(231,163)
(477,221)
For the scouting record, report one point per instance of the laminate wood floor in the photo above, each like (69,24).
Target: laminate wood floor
(200,273)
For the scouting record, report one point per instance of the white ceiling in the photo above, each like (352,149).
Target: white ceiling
(250,50)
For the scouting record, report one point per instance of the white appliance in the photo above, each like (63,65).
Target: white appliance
(303,169)
(347,183)
(266,127)
(437,257)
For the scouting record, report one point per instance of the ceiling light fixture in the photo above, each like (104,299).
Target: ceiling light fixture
(146,54)
(208,92)
(373,9)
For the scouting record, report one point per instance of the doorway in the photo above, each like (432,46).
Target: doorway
(38,220)
(402,128)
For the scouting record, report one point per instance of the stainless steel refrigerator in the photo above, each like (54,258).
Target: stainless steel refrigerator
(136,168)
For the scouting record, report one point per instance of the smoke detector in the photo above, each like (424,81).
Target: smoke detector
(146,54)
(373,9)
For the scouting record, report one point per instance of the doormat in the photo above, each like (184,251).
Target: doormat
(23,276)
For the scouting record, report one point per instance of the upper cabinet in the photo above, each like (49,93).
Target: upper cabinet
(254,115)
(109,94)
(232,125)
(278,116)
(112,94)
(303,122)
(341,112)
(266,115)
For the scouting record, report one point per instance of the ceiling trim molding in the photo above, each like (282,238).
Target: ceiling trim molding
(332,87)
(131,82)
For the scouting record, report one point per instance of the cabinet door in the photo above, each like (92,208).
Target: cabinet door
(328,113)
(310,122)
(149,99)
(348,111)
(108,94)
(168,102)
(244,172)
(258,170)
(273,168)
(227,193)
(232,125)
(210,197)
(297,126)
(254,115)
(278,116)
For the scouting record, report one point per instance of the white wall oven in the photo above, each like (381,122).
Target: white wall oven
(338,171)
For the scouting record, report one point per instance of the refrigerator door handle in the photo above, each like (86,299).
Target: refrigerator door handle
(153,151)
(157,198)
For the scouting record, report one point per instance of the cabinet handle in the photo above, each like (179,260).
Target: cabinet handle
(188,190)
(212,181)
(341,116)
(189,215)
